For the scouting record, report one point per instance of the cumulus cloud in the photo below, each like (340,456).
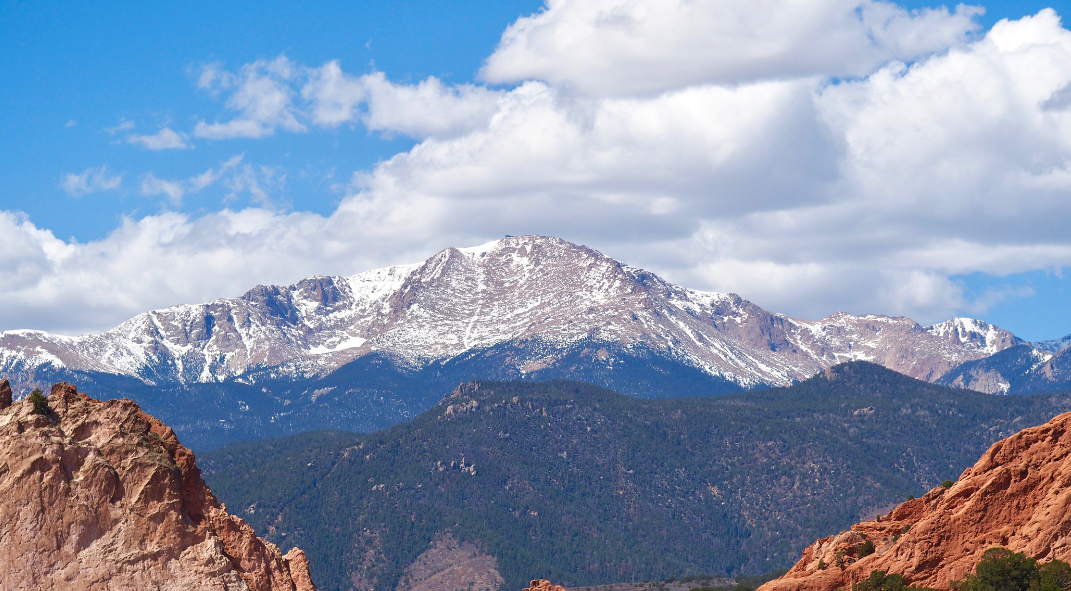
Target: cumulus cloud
(165,139)
(608,47)
(169,259)
(90,180)
(282,94)
(941,154)
(427,109)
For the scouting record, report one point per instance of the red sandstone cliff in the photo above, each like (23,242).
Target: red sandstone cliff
(1018,496)
(100,495)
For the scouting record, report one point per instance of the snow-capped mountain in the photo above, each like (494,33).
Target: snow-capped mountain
(544,293)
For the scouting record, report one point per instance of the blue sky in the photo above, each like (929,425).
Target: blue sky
(99,65)
(82,83)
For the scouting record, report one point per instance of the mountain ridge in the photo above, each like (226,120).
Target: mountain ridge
(518,289)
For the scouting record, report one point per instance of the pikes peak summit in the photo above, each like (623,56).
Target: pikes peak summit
(537,297)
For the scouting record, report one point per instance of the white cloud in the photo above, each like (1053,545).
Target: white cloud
(90,180)
(165,139)
(266,95)
(175,190)
(123,125)
(804,193)
(426,109)
(257,181)
(261,94)
(606,47)
(167,259)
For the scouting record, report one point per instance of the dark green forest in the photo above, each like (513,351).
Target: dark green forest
(580,485)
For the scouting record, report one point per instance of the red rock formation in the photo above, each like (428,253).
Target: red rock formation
(100,495)
(1017,496)
(543,585)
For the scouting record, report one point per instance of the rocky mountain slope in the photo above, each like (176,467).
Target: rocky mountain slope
(1016,496)
(1023,369)
(639,489)
(540,296)
(99,495)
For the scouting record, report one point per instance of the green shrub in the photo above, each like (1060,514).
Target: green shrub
(1003,570)
(866,549)
(947,484)
(39,402)
(1000,570)
(1053,576)
(880,581)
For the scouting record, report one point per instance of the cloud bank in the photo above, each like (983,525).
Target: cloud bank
(812,157)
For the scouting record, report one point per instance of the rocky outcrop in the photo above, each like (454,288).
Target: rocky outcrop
(100,495)
(543,585)
(1018,496)
(5,394)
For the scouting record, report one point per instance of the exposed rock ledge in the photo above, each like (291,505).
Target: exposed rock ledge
(100,495)
(1017,496)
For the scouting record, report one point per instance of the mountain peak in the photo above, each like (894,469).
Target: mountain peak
(541,295)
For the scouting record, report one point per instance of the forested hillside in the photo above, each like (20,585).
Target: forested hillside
(581,485)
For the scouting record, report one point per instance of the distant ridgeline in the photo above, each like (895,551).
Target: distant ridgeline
(580,485)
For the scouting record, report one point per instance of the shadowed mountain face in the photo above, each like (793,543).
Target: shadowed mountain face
(1019,370)
(586,486)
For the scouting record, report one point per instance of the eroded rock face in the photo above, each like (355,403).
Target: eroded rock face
(1017,496)
(100,495)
